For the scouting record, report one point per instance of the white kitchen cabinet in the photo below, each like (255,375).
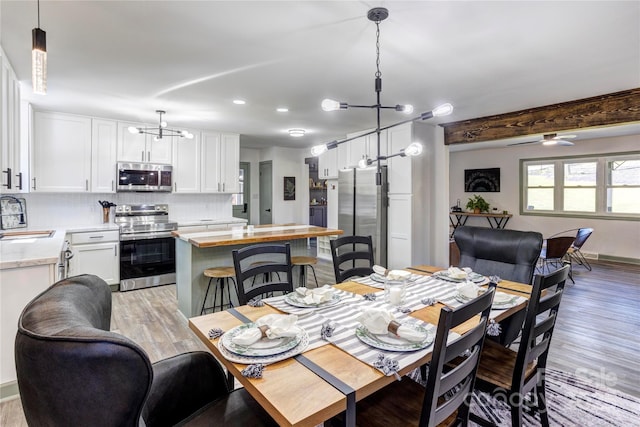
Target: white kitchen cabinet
(18,286)
(220,162)
(400,168)
(61,153)
(96,253)
(399,235)
(328,164)
(187,164)
(104,138)
(142,147)
(14,177)
(365,147)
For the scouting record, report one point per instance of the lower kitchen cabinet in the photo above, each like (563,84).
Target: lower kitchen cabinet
(318,215)
(96,253)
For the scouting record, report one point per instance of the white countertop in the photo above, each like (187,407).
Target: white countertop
(208,221)
(28,252)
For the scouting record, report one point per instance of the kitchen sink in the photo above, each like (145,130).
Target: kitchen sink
(15,235)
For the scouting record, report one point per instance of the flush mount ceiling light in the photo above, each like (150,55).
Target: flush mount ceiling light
(239,102)
(297,133)
(39,58)
(161,130)
(282,109)
(377,15)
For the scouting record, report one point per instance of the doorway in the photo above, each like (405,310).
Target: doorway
(266,192)
(240,201)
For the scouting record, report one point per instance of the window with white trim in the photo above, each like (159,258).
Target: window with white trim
(607,186)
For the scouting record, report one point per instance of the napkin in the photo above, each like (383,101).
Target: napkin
(398,275)
(456,273)
(380,322)
(275,325)
(467,289)
(315,296)
(380,270)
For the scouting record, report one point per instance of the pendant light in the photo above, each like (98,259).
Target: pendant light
(39,58)
(377,15)
(161,130)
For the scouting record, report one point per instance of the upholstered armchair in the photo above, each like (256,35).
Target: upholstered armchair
(73,371)
(509,254)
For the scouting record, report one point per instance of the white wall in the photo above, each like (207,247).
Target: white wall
(611,238)
(79,209)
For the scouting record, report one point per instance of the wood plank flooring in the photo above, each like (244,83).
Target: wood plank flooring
(596,336)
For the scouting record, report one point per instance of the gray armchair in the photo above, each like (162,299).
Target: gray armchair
(73,371)
(509,254)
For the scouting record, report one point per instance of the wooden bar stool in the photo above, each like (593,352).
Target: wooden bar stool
(223,274)
(304,262)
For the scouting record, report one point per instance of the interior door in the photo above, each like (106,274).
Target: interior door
(266,192)
(240,200)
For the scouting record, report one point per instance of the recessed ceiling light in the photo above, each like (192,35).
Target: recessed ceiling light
(297,133)
(239,102)
(282,109)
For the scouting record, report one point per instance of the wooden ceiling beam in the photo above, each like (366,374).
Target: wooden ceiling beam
(599,111)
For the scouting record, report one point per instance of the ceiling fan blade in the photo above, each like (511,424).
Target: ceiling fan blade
(522,143)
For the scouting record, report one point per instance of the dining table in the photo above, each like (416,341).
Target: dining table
(336,366)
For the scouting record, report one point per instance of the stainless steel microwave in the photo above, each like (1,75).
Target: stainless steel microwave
(147,177)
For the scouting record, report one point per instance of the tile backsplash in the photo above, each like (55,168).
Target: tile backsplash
(79,209)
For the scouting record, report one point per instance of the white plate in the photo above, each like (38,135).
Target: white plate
(297,301)
(248,360)
(392,342)
(377,278)
(264,347)
(473,277)
(501,301)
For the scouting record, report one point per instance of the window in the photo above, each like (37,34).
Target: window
(607,186)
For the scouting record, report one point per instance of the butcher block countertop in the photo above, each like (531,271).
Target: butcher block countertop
(260,234)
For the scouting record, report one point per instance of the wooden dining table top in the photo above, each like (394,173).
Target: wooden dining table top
(296,396)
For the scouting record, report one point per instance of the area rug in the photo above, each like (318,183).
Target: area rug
(572,401)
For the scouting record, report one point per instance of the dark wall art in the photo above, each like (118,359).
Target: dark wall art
(482,180)
(289,187)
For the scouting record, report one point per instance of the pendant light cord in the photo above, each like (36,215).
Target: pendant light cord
(38,13)
(378,73)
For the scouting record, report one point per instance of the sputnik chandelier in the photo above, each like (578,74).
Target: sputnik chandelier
(377,15)
(161,130)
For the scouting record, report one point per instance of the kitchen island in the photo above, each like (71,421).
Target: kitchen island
(197,251)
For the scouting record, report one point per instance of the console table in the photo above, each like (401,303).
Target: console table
(495,220)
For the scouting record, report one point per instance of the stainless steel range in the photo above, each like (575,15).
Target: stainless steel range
(147,249)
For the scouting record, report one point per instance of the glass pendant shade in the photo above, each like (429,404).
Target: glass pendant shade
(318,149)
(442,110)
(39,61)
(414,149)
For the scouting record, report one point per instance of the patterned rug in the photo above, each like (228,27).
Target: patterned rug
(572,401)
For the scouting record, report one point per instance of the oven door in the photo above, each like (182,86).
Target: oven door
(147,262)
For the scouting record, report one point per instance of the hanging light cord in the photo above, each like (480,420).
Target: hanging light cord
(378,73)
(38,13)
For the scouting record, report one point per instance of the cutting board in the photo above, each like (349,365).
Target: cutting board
(13,212)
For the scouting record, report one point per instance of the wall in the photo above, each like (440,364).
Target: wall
(288,162)
(611,238)
(46,210)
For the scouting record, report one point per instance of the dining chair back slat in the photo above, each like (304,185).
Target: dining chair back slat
(352,256)
(249,264)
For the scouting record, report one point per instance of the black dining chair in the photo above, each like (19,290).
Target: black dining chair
(407,403)
(262,260)
(352,256)
(509,254)
(512,375)
(72,370)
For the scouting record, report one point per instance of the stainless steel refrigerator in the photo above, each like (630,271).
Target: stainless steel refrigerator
(362,207)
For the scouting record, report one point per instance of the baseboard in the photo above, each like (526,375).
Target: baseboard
(624,260)
(9,391)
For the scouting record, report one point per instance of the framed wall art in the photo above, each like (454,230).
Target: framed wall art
(482,180)
(289,187)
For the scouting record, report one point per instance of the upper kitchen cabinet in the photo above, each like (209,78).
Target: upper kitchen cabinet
(220,162)
(142,147)
(104,138)
(328,164)
(187,164)
(13,172)
(61,153)
(365,147)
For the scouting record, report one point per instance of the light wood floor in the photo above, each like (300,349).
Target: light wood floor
(597,333)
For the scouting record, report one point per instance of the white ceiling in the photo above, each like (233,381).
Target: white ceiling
(125,59)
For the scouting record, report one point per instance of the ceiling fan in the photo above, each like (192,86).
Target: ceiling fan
(550,139)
